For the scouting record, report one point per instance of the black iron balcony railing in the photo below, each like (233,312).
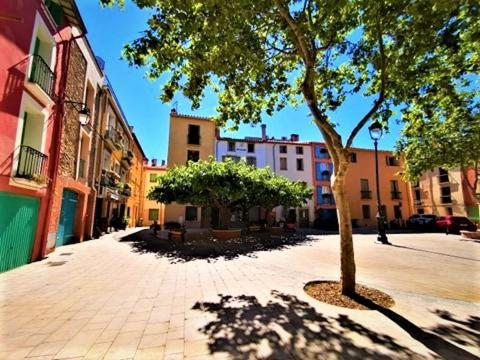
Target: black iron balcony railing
(193,139)
(327,199)
(396,195)
(42,75)
(365,194)
(32,164)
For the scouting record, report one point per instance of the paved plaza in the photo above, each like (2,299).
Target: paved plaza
(113,299)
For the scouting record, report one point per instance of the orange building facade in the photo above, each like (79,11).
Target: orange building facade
(152,210)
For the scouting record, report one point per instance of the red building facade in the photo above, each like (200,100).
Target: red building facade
(36,41)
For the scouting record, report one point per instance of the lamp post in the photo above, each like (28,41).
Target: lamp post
(376,132)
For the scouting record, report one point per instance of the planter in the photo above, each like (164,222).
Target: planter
(254,229)
(474,235)
(276,230)
(176,235)
(226,234)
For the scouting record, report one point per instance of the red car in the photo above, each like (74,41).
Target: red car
(453,224)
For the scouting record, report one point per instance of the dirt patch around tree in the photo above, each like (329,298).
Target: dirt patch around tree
(366,298)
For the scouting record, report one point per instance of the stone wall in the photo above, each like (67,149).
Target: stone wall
(75,88)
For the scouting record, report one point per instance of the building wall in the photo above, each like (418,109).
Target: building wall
(137,176)
(177,153)
(463,201)
(21,23)
(364,168)
(69,149)
(151,204)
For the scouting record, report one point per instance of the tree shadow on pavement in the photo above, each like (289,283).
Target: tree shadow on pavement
(208,248)
(463,332)
(433,339)
(289,328)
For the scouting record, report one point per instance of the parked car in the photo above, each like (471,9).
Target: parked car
(453,224)
(422,222)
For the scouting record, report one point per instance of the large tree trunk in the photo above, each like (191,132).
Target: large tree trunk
(345,227)
(223,217)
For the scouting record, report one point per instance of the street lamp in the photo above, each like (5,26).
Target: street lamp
(83,111)
(376,132)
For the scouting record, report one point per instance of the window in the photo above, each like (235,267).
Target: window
(418,196)
(396,194)
(152,214)
(153,177)
(446,195)
(449,211)
(300,164)
(323,171)
(193,134)
(251,160)
(352,157)
(191,213)
(421,211)
(193,155)
(366,211)
(365,192)
(442,175)
(392,161)
(283,149)
(299,150)
(283,163)
(320,152)
(251,148)
(231,146)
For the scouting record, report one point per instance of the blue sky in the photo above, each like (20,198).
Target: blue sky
(110,28)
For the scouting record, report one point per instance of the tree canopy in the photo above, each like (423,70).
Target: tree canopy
(228,185)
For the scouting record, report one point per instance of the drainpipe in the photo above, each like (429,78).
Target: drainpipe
(57,135)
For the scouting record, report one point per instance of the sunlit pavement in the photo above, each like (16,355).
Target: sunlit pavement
(106,299)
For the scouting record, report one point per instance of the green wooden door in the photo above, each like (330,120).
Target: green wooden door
(18,223)
(66,225)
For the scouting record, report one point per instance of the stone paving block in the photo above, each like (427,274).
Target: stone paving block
(153,340)
(156,328)
(153,353)
(47,348)
(174,346)
(98,351)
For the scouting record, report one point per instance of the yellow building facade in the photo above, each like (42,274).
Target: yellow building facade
(136,184)
(190,138)
(152,210)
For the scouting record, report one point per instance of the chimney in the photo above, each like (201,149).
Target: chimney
(154,162)
(163,162)
(294,137)
(264,132)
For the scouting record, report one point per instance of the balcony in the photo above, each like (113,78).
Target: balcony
(326,199)
(41,81)
(127,157)
(365,194)
(396,195)
(125,190)
(417,202)
(109,179)
(112,137)
(32,165)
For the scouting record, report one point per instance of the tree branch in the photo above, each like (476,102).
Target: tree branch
(381,95)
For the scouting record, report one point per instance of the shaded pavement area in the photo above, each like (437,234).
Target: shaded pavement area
(131,295)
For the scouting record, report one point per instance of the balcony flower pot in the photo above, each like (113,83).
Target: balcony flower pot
(225,234)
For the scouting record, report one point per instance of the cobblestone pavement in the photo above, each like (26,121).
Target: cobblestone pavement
(111,299)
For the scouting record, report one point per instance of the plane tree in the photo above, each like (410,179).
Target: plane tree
(227,186)
(260,56)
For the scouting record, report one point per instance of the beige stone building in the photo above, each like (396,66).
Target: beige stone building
(443,192)
(190,138)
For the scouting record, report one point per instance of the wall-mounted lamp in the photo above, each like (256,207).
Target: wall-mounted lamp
(83,112)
